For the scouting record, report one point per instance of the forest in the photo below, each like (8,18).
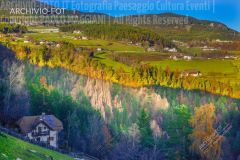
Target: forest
(103,108)
(85,63)
(6,28)
(120,32)
(132,133)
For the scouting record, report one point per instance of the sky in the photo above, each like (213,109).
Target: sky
(225,11)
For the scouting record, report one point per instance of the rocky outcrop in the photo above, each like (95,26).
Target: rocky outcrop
(99,93)
(150,97)
(101,97)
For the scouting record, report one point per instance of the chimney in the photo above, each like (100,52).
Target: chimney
(42,117)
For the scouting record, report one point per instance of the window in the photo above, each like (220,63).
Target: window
(51,138)
(39,129)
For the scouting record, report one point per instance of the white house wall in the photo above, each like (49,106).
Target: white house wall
(44,138)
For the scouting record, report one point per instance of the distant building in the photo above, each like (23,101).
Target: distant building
(206,48)
(193,73)
(138,44)
(187,57)
(130,43)
(173,50)
(58,45)
(42,42)
(230,57)
(221,41)
(43,128)
(176,56)
(77,32)
(84,38)
(151,49)
(99,49)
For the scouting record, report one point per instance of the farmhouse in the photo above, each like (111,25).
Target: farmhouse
(42,42)
(193,73)
(206,48)
(173,50)
(43,128)
(151,49)
(221,41)
(84,38)
(187,57)
(99,49)
(176,56)
(77,32)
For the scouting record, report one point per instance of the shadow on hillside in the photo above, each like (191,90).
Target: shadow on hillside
(3,135)
(6,53)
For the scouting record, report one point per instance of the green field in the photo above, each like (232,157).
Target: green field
(216,69)
(192,50)
(222,70)
(69,37)
(204,66)
(103,58)
(120,54)
(12,148)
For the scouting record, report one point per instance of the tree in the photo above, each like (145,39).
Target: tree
(134,134)
(146,136)
(43,81)
(124,149)
(15,82)
(12,28)
(45,53)
(97,136)
(178,128)
(2,97)
(205,140)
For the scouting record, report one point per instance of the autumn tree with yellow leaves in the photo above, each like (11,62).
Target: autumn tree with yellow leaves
(206,142)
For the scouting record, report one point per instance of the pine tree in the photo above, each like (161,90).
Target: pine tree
(146,136)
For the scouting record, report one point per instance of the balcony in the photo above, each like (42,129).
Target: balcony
(43,133)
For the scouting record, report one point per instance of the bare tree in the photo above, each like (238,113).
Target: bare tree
(14,81)
(98,136)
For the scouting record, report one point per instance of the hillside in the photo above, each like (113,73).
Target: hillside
(166,24)
(103,115)
(119,32)
(183,27)
(13,148)
(131,56)
(170,110)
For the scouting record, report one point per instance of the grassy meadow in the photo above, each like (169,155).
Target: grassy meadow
(12,148)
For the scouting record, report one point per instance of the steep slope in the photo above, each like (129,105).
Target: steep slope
(13,148)
(170,25)
(125,103)
(182,27)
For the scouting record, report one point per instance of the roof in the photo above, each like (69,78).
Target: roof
(28,123)
(191,71)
